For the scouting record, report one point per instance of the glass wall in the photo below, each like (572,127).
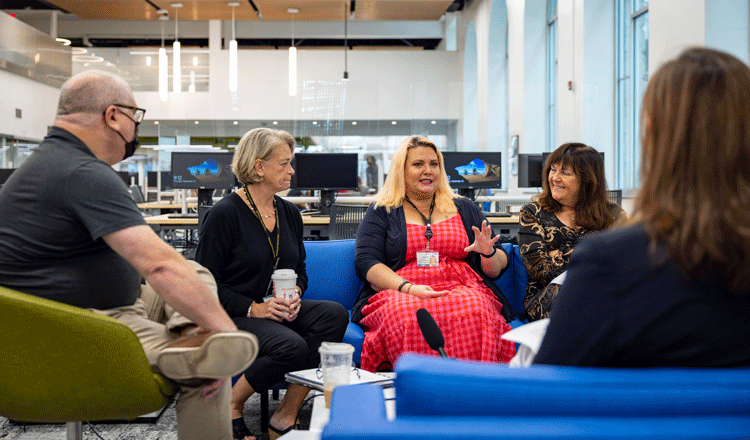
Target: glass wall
(632,77)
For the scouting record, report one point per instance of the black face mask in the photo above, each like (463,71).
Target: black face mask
(131,146)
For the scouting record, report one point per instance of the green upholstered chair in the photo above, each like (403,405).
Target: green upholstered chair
(66,364)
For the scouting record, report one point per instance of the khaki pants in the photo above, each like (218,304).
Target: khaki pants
(153,322)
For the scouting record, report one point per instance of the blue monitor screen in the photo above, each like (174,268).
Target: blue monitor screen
(196,170)
(472,170)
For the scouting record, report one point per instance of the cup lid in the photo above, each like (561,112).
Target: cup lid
(335,348)
(284,273)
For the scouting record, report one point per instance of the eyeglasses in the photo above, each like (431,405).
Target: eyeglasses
(138,114)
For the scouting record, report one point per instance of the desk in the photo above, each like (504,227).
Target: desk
(318,226)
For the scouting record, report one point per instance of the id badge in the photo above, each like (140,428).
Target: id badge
(428,259)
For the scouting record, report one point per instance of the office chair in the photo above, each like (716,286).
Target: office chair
(615,196)
(137,194)
(67,364)
(344,221)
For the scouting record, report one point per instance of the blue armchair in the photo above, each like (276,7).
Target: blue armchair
(441,398)
(330,270)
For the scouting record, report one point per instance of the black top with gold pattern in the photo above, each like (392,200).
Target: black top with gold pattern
(545,244)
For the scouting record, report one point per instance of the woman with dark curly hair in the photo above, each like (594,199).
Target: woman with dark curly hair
(572,204)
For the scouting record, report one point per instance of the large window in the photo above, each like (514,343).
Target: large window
(632,77)
(551,75)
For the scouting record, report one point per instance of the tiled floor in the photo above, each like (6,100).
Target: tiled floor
(163,429)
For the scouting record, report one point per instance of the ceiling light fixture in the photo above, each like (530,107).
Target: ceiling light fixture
(163,64)
(64,41)
(292,59)
(233,54)
(176,62)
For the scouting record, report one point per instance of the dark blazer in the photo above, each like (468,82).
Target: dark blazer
(381,238)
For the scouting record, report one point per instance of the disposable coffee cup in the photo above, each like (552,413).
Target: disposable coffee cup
(284,283)
(336,365)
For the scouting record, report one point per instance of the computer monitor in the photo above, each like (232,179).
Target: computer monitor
(468,171)
(204,171)
(326,172)
(530,167)
(5,173)
(166,179)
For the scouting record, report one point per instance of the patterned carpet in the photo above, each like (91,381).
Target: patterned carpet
(164,428)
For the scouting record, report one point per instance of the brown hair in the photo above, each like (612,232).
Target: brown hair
(591,209)
(393,193)
(695,166)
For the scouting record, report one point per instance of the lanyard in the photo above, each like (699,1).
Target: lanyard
(426,220)
(274,251)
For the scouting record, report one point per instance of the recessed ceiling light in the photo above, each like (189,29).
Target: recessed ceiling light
(292,10)
(156,122)
(275,122)
(234,4)
(176,5)
(315,122)
(354,122)
(393,122)
(196,122)
(162,11)
(235,122)
(433,122)
(64,41)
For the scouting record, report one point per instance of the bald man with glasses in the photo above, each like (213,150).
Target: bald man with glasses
(70,232)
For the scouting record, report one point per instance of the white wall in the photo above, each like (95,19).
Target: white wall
(37,102)
(382,85)
(672,29)
(728,27)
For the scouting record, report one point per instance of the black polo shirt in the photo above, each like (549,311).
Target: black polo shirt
(54,211)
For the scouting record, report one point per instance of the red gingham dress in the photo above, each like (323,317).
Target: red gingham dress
(469,317)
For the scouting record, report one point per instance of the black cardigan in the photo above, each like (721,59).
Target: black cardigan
(234,247)
(381,238)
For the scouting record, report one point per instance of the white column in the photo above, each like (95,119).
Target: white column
(569,69)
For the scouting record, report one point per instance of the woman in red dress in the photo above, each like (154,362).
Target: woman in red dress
(421,246)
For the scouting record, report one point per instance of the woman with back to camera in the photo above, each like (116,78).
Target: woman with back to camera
(672,289)
(419,245)
(244,238)
(573,203)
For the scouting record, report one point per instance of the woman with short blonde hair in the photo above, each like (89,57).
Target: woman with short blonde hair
(245,237)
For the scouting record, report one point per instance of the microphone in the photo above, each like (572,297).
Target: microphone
(431,331)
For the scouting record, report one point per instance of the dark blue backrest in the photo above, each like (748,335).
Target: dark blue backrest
(330,271)
(513,282)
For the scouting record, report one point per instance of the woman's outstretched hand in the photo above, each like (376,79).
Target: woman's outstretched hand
(483,241)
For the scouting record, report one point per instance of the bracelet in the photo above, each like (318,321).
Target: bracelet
(250,311)
(494,250)
(409,289)
(400,286)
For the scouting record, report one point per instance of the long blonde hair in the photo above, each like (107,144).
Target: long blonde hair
(695,166)
(393,193)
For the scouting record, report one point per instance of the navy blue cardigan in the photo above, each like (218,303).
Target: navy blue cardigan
(381,238)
